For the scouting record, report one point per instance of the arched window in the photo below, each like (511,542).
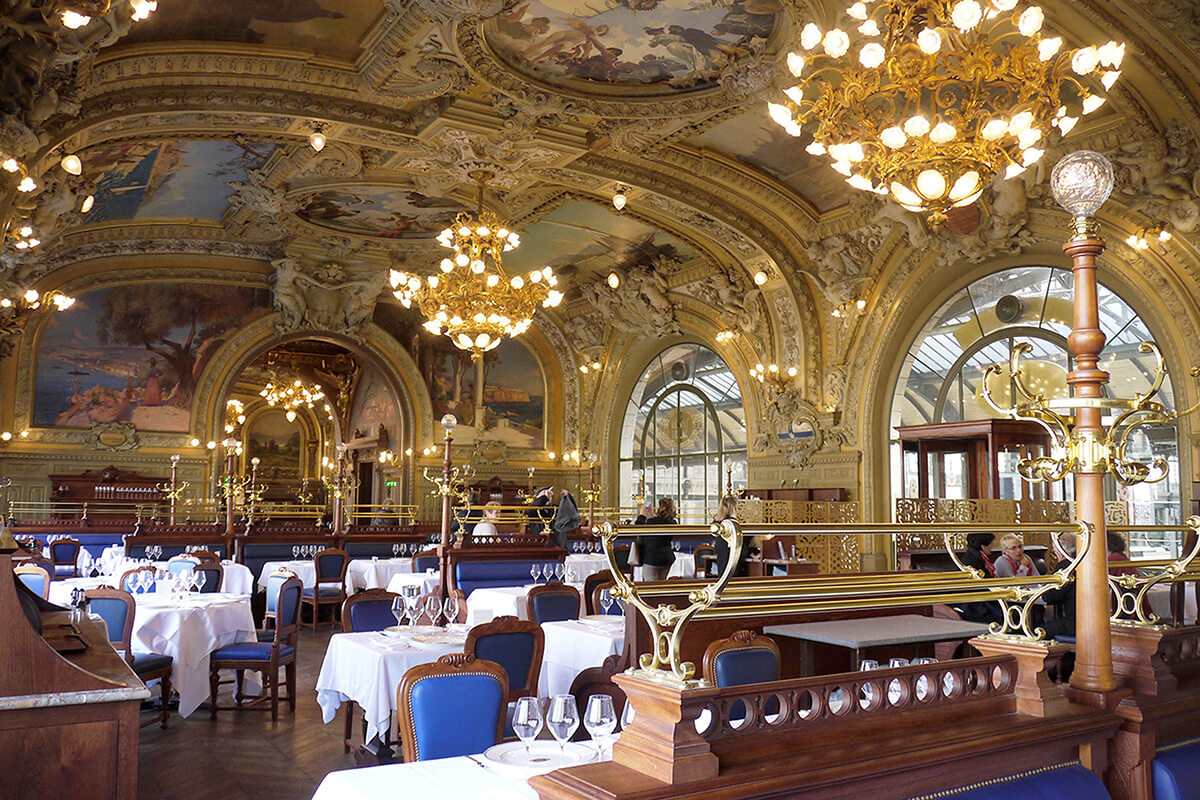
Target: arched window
(684,433)
(943,371)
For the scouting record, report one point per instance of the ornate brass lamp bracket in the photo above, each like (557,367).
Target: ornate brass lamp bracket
(667,622)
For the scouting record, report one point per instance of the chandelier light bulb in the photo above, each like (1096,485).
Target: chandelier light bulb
(1048,48)
(619,200)
(760,278)
(1028,137)
(893,137)
(815,148)
(1109,78)
(795,64)
(614,280)
(965,186)
(517,282)
(836,43)
(317,140)
(871,56)
(858,11)
(869,28)
(74,20)
(26,231)
(966,15)
(71,164)
(931,184)
(1091,103)
(916,126)
(1085,60)
(795,94)
(142,9)
(810,36)
(27,184)
(87,204)
(942,132)
(1030,21)
(930,41)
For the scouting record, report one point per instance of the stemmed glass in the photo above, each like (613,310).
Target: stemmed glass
(395,550)
(527,721)
(412,610)
(600,719)
(295,551)
(450,608)
(560,569)
(562,719)
(200,577)
(398,609)
(606,600)
(433,608)
(894,688)
(534,571)
(868,689)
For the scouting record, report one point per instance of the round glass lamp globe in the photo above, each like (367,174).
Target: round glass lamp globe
(449,422)
(1081,182)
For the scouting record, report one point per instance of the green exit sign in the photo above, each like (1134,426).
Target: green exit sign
(389,483)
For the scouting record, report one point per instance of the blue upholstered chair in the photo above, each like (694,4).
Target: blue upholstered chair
(744,658)
(1175,773)
(64,553)
(274,581)
(213,574)
(369,610)
(426,560)
(124,583)
(181,564)
(1070,780)
(116,608)
(516,645)
(553,602)
(454,707)
(615,610)
(36,578)
(330,589)
(263,657)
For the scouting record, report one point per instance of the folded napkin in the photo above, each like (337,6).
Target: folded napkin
(393,643)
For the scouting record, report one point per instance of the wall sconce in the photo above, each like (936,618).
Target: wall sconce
(1149,235)
(590,366)
(317,140)
(773,377)
(619,199)
(725,336)
(760,278)
(848,308)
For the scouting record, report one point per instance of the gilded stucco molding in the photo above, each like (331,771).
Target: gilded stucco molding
(572,435)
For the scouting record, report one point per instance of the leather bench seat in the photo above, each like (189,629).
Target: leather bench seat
(1176,772)
(472,575)
(1069,782)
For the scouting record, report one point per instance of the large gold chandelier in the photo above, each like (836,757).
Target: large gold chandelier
(291,395)
(928,100)
(473,301)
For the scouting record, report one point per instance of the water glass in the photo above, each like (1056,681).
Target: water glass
(527,721)
(559,570)
(433,608)
(600,719)
(395,550)
(534,571)
(562,719)
(450,608)
(606,600)
(200,577)
(398,609)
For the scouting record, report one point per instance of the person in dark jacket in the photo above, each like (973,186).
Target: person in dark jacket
(655,551)
(565,520)
(978,555)
(538,514)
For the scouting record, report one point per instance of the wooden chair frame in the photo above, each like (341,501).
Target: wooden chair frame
(34,569)
(205,555)
(135,570)
(164,675)
(73,564)
(589,585)
(738,640)
(269,616)
(598,680)
(317,600)
(700,569)
(551,587)
(510,624)
(452,664)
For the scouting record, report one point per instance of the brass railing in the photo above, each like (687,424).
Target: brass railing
(1131,605)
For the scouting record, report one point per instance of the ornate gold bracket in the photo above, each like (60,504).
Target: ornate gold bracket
(1131,605)
(1086,451)
(666,622)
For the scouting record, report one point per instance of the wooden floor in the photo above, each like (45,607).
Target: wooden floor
(242,755)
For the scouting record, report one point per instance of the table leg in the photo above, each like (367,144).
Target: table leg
(856,659)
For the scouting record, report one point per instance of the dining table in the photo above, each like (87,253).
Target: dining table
(684,566)
(374,573)
(236,579)
(366,668)
(572,646)
(484,605)
(426,582)
(188,627)
(458,778)
(580,565)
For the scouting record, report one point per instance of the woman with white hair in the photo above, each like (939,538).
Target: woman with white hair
(1013,563)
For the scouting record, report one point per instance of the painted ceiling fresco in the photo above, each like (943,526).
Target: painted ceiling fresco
(753,138)
(331,28)
(384,211)
(677,42)
(579,238)
(169,179)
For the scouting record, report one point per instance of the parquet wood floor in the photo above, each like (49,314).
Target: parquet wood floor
(242,755)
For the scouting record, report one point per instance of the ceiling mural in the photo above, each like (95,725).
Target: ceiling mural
(627,42)
(579,238)
(753,138)
(383,211)
(331,28)
(169,179)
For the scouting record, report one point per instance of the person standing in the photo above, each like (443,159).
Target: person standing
(655,551)
(537,516)
(727,509)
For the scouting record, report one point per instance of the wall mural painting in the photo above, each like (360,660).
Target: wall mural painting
(135,353)
(276,443)
(330,28)
(678,42)
(579,237)
(375,406)
(169,179)
(384,211)
(763,144)
(514,394)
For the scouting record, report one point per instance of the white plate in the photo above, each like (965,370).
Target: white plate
(413,629)
(543,756)
(615,619)
(442,639)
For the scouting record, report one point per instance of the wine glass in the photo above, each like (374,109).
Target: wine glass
(562,719)
(295,551)
(527,721)
(867,698)
(534,571)
(200,577)
(433,608)
(559,570)
(606,600)
(412,609)
(450,608)
(395,550)
(600,719)
(895,690)
(627,715)
(398,609)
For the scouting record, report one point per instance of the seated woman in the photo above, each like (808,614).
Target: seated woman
(487,526)
(727,509)
(978,555)
(1116,552)
(1013,563)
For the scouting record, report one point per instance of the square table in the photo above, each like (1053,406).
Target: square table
(866,632)
(575,645)
(484,605)
(367,668)
(374,573)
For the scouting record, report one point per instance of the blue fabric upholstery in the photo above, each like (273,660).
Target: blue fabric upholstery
(274,581)
(472,575)
(743,666)
(1175,774)
(326,591)
(180,565)
(249,651)
(329,567)
(1071,781)
(288,609)
(212,578)
(455,715)
(371,615)
(512,651)
(112,610)
(424,563)
(150,662)
(64,552)
(35,581)
(554,607)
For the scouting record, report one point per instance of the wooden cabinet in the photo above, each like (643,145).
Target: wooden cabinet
(109,489)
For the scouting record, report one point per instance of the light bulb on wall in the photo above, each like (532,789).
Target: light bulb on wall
(619,199)
(316,140)
(71,164)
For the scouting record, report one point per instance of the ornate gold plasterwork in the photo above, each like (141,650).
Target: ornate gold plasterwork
(796,428)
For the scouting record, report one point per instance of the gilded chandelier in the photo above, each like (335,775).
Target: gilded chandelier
(928,100)
(473,301)
(291,396)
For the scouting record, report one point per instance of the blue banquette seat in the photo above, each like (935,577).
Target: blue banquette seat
(1053,783)
(1176,771)
(472,575)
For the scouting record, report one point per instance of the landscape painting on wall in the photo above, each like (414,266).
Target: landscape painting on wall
(135,353)
(514,394)
(374,406)
(275,442)
(169,179)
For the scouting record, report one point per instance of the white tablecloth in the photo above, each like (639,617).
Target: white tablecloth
(460,778)
(365,573)
(573,646)
(367,668)
(684,567)
(426,581)
(188,630)
(304,570)
(580,566)
(60,591)
(235,579)
(484,605)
